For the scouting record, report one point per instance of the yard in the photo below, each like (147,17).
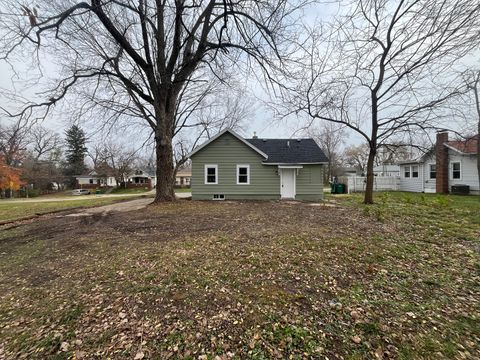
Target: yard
(220,280)
(20,208)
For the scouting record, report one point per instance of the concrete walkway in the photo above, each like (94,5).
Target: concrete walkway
(87,197)
(121,206)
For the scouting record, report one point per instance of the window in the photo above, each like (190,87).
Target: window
(243,174)
(211,176)
(456,170)
(415,171)
(406,171)
(90,181)
(433,171)
(218,197)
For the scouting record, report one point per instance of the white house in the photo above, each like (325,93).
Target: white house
(386,170)
(141,178)
(448,164)
(93,180)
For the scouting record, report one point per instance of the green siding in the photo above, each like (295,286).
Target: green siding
(227,152)
(310,183)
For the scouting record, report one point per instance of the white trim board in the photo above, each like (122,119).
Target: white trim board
(198,148)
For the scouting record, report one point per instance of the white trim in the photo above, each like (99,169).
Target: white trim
(198,148)
(430,171)
(451,170)
(294,164)
(456,150)
(210,166)
(248,173)
(290,166)
(418,171)
(294,183)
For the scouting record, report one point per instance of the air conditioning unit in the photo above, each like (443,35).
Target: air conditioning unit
(460,189)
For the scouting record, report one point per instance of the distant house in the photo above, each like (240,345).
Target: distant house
(183,177)
(448,164)
(93,180)
(140,179)
(348,171)
(230,167)
(386,170)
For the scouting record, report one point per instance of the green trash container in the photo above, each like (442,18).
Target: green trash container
(340,189)
(97,192)
(333,188)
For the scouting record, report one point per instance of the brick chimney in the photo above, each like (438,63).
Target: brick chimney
(441,154)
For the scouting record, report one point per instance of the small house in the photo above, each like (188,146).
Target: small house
(449,163)
(93,180)
(229,166)
(140,179)
(183,177)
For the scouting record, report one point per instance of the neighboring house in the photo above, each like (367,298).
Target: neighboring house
(448,163)
(183,177)
(230,167)
(348,171)
(93,180)
(140,178)
(386,170)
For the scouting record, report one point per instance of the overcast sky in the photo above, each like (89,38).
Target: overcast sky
(16,78)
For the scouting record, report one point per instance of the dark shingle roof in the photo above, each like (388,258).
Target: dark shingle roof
(290,151)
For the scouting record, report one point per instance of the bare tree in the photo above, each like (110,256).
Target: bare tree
(134,58)
(13,142)
(330,137)
(356,156)
(115,160)
(208,112)
(43,141)
(383,68)
(472,79)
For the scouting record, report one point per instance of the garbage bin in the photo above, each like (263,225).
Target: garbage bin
(97,192)
(333,188)
(340,189)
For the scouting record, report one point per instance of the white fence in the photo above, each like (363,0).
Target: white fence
(380,183)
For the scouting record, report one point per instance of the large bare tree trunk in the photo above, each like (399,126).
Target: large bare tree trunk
(165,171)
(164,151)
(370,177)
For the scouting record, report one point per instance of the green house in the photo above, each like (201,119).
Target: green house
(230,167)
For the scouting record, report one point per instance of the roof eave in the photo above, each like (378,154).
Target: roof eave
(220,134)
(297,163)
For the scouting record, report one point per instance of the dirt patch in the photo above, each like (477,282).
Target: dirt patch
(235,280)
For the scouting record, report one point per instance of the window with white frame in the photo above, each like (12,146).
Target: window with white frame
(406,171)
(432,171)
(414,171)
(211,174)
(243,174)
(456,170)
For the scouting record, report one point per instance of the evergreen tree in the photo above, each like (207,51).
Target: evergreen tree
(75,151)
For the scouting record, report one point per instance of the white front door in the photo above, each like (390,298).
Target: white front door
(287,183)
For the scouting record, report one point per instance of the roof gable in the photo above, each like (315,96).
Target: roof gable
(277,151)
(212,139)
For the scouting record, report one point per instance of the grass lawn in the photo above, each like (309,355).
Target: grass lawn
(17,210)
(183,190)
(247,280)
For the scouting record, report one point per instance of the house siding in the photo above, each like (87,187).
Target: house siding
(227,152)
(412,184)
(469,172)
(310,183)
(430,184)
